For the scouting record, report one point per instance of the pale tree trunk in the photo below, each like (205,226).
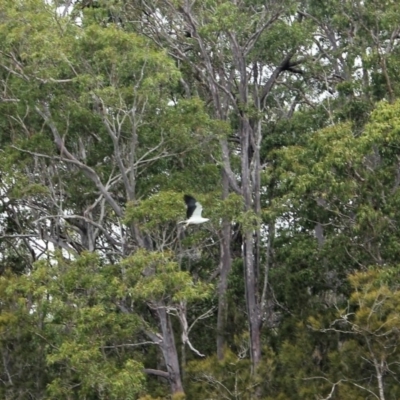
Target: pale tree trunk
(250,183)
(250,276)
(225,268)
(379,368)
(166,342)
(266,304)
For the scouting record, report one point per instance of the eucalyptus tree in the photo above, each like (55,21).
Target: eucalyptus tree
(348,181)
(228,55)
(89,128)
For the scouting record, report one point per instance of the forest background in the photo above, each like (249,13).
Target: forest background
(282,117)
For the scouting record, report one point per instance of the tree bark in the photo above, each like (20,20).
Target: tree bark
(169,351)
(225,268)
(250,276)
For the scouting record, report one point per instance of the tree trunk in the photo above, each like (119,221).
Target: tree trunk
(225,268)
(169,351)
(250,277)
(253,307)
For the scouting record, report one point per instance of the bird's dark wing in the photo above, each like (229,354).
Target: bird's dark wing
(190,204)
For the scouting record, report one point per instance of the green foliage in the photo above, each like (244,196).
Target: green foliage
(228,378)
(336,177)
(230,208)
(72,313)
(162,208)
(72,323)
(21,345)
(345,181)
(155,276)
(369,339)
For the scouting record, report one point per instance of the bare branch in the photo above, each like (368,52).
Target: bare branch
(127,345)
(156,372)
(87,171)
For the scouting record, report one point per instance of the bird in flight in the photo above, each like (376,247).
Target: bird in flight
(193,211)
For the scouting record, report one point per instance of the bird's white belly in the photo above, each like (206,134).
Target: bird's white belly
(197,220)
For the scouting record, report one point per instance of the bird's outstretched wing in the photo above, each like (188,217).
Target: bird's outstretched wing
(197,211)
(192,206)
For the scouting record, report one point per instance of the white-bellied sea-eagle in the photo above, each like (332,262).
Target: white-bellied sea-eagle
(193,211)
